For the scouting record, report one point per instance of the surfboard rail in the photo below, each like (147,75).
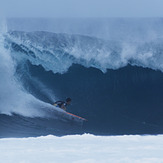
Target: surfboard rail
(76,116)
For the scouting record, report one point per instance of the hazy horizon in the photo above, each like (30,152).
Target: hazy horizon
(83,9)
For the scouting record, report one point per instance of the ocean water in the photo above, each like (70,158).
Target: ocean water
(111,68)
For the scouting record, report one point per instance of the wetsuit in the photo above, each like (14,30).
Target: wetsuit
(60,104)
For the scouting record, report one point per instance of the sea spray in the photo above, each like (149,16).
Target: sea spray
(13,97)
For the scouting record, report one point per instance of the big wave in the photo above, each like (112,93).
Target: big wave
(113,82)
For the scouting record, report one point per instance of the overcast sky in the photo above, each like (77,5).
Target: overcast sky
(81,8)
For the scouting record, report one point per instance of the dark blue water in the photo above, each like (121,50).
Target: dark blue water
(128,100)
(124,101)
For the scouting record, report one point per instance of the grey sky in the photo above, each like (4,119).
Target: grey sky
(81,8)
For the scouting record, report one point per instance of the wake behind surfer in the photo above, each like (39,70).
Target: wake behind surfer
(63,104)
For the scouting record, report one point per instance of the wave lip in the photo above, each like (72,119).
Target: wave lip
(57,52)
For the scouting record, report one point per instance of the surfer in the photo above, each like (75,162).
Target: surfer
(63,104)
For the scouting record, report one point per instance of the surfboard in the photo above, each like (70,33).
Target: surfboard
(76,116)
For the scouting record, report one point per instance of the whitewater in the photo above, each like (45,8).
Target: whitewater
(113,71)
(83,149)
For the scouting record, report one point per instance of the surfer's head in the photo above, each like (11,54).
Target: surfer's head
(68,100)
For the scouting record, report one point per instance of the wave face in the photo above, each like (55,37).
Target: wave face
(115,83)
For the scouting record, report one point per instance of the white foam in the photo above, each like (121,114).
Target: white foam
(89,52)
(83,149)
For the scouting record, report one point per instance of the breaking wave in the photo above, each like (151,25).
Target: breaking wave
(114,82)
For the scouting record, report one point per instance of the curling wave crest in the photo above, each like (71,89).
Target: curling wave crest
(57,52)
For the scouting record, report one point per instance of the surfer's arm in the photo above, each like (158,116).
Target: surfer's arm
(63,107)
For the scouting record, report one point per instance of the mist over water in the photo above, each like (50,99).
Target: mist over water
(117,29)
